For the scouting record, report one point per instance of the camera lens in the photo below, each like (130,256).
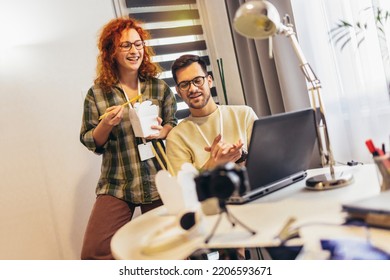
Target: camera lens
(224,183)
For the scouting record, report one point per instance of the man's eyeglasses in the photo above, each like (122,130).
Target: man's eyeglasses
(126,46)
(197,81)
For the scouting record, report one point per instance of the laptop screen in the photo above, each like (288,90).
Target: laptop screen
(281,145)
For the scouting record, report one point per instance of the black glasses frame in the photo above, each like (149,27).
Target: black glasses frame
(197,81)
(127,45)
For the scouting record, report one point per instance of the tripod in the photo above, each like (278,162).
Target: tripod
(232,219)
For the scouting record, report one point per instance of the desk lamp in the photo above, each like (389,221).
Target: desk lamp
(260,20)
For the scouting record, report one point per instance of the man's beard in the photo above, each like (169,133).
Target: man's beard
(201,105)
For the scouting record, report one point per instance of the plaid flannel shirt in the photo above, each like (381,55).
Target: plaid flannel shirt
(123,174)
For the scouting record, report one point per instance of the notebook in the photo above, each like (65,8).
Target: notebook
(379,203)
(373,210)
(279,154)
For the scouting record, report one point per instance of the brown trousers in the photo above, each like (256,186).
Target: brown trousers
(108,215)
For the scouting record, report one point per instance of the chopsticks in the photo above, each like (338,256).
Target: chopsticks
(158,158)
(123,105)
(169,167)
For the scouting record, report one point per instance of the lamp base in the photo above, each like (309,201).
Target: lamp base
(328,182)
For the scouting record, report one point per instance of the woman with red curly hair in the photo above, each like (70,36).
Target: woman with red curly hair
(124,71)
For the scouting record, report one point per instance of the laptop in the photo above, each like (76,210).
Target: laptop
(279,154)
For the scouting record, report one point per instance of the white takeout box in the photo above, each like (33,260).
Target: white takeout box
(178,193)
(143,116)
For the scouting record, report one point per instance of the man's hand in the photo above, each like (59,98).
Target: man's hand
(221,152)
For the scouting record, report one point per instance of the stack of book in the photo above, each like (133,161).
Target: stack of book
(373,211)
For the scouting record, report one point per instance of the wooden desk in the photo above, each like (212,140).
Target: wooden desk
(266,216)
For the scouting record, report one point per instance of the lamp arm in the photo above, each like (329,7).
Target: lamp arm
(310,76)
(261,20)
(326,152)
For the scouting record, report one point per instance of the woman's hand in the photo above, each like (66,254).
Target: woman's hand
(101,133)
(162,130)
(114,115)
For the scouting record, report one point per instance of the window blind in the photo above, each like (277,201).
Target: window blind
(175,27)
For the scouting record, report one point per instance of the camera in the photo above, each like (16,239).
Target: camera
(214,187)
(222,182)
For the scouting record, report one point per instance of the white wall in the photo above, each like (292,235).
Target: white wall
(47,62)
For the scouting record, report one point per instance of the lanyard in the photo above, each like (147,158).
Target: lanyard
(220,128)
(131,105)
(139,92)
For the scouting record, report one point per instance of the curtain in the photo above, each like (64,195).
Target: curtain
(354,75)
(271,85)
(353,65)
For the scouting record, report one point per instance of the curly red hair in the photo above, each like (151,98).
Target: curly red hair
(107,68)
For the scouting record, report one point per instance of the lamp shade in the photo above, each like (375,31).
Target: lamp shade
(257,20)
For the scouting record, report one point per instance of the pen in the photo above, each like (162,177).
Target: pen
(377,154)
(371,147)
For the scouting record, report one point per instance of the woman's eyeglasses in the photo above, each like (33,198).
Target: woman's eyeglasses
(126,46)
(197,81)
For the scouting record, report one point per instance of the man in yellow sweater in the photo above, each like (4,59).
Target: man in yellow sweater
(213,134)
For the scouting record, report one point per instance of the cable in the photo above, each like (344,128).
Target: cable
(350,163)
(353,163)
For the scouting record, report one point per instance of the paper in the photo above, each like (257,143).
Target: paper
(145,151)
(143,116)
(353,249)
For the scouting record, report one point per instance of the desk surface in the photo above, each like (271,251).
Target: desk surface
(267,215)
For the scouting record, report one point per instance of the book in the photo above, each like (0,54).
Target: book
(373,210)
